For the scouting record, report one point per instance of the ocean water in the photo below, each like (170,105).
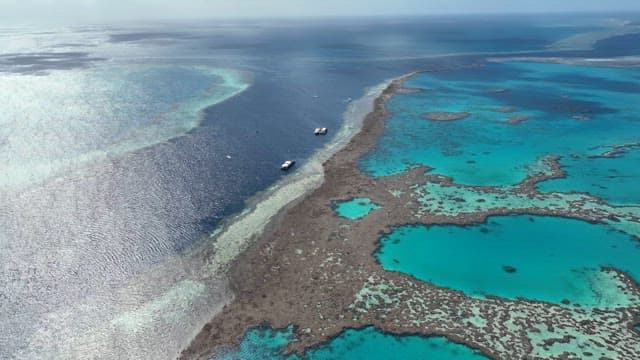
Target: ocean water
(623,45)
(542,258)
(367,343)
(614,179)
(570,111)
(98,113)
(124,146)
(355,208)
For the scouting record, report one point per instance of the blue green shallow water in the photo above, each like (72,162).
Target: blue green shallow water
(572,109)
(615,179)
(355,208)
(365,344)
(542,258)
(575,112)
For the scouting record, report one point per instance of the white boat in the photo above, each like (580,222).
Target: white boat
(320,131)
(287,165)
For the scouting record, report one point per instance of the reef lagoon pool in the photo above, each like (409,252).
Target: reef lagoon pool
(364,344)
(355,209)
(550,259)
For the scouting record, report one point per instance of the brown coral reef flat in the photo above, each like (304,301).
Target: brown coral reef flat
(517,119)
(446,116)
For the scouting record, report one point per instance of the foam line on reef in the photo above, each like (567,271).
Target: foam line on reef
(621,61)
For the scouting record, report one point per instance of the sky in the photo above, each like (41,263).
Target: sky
(103,10)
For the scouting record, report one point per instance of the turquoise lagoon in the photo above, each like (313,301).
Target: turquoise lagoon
(355,209)
(571,110)
(614,179)
(365,344)
(543,258)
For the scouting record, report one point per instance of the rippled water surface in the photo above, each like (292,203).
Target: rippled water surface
(55,122)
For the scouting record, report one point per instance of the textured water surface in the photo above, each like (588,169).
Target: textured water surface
(54,123)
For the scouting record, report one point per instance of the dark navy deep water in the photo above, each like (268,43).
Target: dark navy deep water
(102,246)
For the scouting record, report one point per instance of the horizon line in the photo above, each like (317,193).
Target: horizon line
(73,22)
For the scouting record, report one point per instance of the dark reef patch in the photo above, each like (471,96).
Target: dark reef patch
(539,99)
(588,82)
(445,116)
(149,36)
(517,119)
(41,62)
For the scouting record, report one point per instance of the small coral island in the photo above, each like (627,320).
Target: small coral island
(446,116)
